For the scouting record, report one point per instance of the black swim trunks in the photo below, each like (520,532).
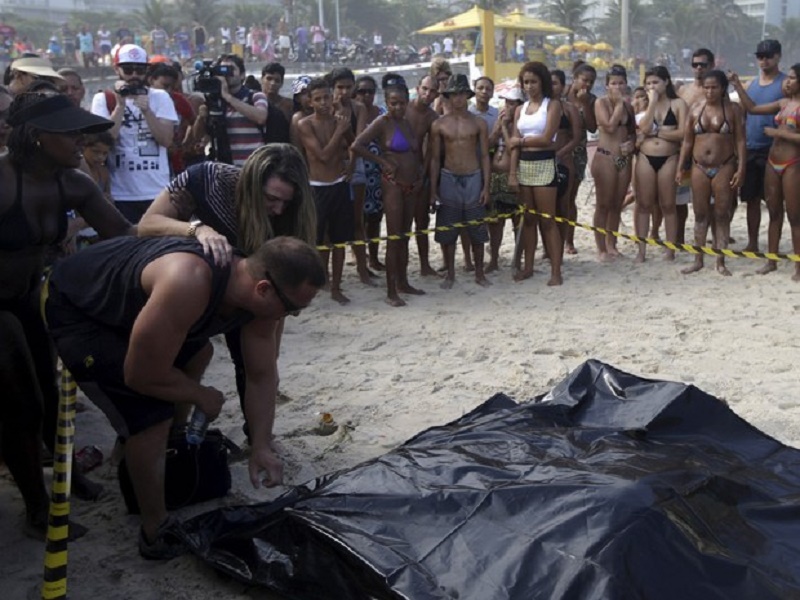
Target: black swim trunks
(335,218)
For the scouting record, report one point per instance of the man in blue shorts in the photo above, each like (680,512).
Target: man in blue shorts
(460,190)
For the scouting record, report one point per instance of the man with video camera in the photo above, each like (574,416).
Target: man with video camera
(144,125)
(233,116)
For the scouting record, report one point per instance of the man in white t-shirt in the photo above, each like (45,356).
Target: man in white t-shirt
(377,43)
(144,125)
(241,35)
(447,45)
(104,37)
(520,44)
(437,47)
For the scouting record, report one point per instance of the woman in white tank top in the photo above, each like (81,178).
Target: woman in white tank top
(533,167)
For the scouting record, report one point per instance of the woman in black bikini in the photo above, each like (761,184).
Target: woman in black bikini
(662,126)
(611,166)
(715,141)
(401,172)
(40,183)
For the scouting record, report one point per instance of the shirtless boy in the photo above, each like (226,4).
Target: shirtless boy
(326,137)
(461,188)
(421,116)
(343,81)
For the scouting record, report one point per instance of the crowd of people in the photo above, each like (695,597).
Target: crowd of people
(199,247)
(265,41)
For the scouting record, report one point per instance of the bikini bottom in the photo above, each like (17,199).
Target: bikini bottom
(711,172)
(779,168)
(656,162)
(406,188)
(620,162)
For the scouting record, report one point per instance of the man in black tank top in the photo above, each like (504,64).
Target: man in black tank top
(133,316)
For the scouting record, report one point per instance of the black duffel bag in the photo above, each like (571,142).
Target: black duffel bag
(192,474)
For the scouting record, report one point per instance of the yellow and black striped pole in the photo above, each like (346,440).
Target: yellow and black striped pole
(55,558)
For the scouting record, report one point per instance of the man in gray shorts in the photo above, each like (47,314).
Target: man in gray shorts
(460,189)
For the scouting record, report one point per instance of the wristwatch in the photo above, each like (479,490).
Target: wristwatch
(193,225)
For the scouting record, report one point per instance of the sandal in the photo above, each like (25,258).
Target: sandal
(170,541)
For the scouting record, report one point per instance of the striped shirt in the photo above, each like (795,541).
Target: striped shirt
(207,191)
(244,136)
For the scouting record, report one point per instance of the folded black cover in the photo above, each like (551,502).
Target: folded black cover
(611,486)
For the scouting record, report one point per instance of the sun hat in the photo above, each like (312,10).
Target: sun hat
(513,93)
(130,54)
(458,84)
(41,67)
(300,84)
(57,114)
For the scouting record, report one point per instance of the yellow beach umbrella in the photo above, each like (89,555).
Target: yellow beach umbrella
(582,46)
(603,47)
(564,49)
(599,63)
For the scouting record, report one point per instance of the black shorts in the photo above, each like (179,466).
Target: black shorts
(95,356)
(335,218)
(753,188)
(133,210)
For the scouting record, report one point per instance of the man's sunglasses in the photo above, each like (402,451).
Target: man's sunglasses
(131,69)
(290,307)
(699,65)
(365,91)
(762,55)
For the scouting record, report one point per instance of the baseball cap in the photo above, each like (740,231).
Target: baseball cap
(768,47)
(57,114)
(130,53)
(300,84)
(41,67)
(512,93)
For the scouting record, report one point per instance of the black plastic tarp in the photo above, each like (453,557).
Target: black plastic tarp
(611,486)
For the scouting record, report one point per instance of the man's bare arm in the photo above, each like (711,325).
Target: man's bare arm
(179,287)
(260,364)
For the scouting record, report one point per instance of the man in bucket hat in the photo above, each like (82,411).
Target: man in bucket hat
(25,71)
(460,190)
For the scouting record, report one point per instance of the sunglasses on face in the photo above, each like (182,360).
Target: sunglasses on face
(763,55)
(290,307)
(366,91)
(699,65)
(130,70)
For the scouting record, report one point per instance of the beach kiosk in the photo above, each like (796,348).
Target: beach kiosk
(498,59)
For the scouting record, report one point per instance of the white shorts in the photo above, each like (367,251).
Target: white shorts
(284,42)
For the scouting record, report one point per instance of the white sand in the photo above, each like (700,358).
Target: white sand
(389,373)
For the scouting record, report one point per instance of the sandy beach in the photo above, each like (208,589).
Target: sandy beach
(387,373)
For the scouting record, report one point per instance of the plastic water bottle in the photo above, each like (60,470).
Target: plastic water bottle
(196,431)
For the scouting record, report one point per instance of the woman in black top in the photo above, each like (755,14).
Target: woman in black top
(40,183)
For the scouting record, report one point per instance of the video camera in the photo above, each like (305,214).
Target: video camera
(205,79)
(132,90)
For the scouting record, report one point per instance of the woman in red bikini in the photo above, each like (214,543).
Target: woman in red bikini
(715,142)
(401,172)
(782,175)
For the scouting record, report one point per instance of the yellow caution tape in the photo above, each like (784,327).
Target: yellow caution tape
(690,248)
